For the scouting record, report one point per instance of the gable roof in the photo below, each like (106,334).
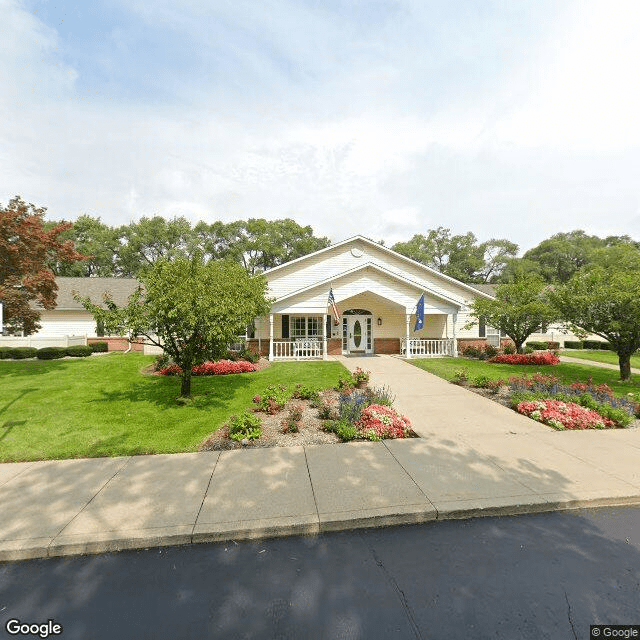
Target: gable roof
(119,288)
(375,267)
(489,289)
(380,247)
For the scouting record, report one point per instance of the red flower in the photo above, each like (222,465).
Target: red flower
(220,368)
(527,358)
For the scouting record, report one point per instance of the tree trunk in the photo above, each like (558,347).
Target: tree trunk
(624,359)
(519,346)
(185,388)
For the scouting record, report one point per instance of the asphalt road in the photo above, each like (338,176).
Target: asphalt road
(540,576)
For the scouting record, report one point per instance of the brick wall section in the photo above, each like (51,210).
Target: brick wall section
(334,346)
(386,345)
(470,342)
(262,347)
(118,344)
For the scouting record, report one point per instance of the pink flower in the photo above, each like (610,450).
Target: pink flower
(563,415)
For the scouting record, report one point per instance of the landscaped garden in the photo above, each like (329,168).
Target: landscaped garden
(114,405)
(561,395)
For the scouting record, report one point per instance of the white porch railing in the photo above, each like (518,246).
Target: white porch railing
(297,349)
(428,348)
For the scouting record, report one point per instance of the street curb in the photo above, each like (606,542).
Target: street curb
(36,548)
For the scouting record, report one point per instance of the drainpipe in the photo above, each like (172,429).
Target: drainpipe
(130,345)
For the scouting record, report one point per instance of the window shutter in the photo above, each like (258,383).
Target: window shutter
(285,326)
(327,329)
(482,329)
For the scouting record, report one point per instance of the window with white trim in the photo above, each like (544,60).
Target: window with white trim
(305,327)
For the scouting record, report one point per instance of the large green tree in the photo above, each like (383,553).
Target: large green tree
(604,299)
(191,308)
(518,310)
(27,250)
(459,256)
(563,254)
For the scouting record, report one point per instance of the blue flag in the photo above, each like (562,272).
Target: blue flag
(420,314)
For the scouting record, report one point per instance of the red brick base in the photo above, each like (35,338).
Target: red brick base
(117,344)
(334,346)
(471,342)
(386,345)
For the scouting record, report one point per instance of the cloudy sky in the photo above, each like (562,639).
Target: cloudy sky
(509,118)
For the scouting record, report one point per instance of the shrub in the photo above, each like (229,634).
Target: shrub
(573,344)
(21,353)
(303,392)
(51,353)
(162,361)
(343,429)
(552,345)
(99,347)
(5,352)
(606,346)
(79,351)
(460,377)
(378,422)
(546,358)
(293,421)
(592,344)
(471,351)
(563,415)
(272,399)
(537,346)
(480,381)
(245,426)
(509,348)
(527,349)
(490,351)
(344,384)
(249,356)
(360,377)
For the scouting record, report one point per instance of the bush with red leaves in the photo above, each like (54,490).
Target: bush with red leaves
(544,358)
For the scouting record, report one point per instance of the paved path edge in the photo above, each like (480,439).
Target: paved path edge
(147,539)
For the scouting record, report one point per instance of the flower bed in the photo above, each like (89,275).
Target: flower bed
(378,422)
(220,368)
(563,415)
(527,358)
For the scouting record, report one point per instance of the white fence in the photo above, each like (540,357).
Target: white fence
(428,348)
(42,341)
(297,349)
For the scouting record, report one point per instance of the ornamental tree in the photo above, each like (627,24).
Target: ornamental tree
(604,299)
(190,308)
(518,309)
(27,252)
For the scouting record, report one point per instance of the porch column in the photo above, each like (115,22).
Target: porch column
(408,350)
(324,337)
(455,340)
(271,336)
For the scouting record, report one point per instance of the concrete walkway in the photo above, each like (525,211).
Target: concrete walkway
(593,363)
(475,457)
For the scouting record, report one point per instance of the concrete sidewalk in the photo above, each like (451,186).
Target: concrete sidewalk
(475,457)
(593,363)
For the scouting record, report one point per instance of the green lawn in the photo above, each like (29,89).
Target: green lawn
(568,373)
(600,356)
(104,406)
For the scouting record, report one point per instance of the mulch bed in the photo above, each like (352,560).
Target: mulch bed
(272,435)
(502,397)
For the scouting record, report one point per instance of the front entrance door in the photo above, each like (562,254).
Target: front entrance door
(358,330)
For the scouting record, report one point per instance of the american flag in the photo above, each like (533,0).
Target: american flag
(332,303)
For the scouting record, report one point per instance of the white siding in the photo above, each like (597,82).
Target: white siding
(331,263)
(67,323)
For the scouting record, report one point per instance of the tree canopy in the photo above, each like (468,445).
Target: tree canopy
(518,310)
(604,299)
(191,308)
(28,250)
(459,256)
